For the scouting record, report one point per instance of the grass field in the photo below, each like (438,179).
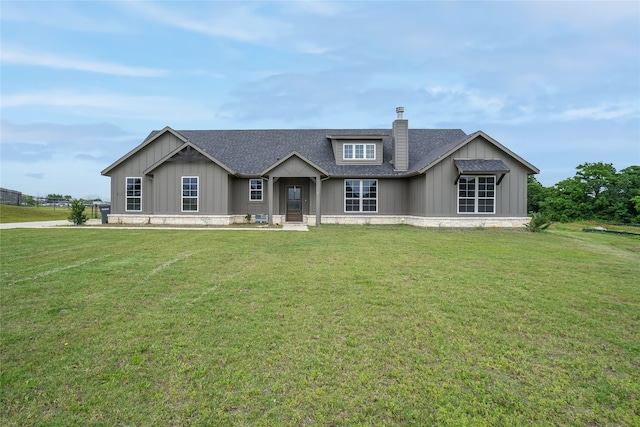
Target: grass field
(9,213)
(337,326)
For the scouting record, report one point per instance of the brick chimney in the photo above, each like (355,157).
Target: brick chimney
(400,142)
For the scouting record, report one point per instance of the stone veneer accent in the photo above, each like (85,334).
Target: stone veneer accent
(417,221)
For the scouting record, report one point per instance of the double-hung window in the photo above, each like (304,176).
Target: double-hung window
(359,151)
(477,194)
(256,189)
(361,195)
(190,193)
(134,194)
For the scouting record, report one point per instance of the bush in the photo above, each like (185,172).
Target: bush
(538,223)
(77,215)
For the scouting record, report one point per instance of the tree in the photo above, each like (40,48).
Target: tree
(596,177)
(628,191)
(28,200)
(77,215)
(567,201)
(636,202)
(597,192)
(536,193)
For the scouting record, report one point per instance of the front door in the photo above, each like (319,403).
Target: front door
(294,203)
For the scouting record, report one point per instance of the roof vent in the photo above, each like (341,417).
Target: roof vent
(399,111)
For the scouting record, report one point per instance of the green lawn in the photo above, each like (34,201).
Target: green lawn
(9,213)
(337,326)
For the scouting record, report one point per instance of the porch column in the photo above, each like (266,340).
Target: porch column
(318,198)
(270,191)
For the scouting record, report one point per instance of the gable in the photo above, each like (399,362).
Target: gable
(186,153)
(294,165)
(480,146)
(153,148)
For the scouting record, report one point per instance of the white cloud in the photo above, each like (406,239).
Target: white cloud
(582,14)
(44,133)
(64,15)
(138,109)
(311,48)
(12,55)
(602,112)
(234,22)
(73,98)
(321,8)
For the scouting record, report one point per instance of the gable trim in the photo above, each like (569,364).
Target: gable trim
(141,146)
(179,149)
(473,136)
(301,157)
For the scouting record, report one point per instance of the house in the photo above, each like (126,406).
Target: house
(422,177)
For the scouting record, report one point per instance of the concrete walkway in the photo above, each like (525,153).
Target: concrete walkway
(35,224)
(95,223)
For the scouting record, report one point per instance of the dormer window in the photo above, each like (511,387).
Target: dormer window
(359,151)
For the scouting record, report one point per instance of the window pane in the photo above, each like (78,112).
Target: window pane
(255,189)
(369,205)
(348,151)
(361,195)
(485,205)
(133,204)
(369,188)
(359,151)
(371,151)
(465,205)
(352,205)
(189,193)
(476,194)
(189,204)
(352,189)
(134,194)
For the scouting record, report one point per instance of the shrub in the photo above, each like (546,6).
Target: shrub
(538,223)
(77,215)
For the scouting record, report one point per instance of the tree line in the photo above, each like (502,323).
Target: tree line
(55,199)
(596,192)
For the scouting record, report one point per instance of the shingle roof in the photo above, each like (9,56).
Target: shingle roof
(249,152)
(481,165)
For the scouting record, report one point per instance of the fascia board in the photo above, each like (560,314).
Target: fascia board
(470,138)
(301,157)
(182,147)
(141,146)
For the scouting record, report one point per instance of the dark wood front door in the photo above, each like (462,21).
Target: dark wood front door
(294,203)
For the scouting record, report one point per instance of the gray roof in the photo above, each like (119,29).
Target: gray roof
(481,165)
(250,152)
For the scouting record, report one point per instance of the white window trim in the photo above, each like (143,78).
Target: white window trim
(353,152)
(361,198)
(261,190)
(182,196)
(475,195)
(127,197)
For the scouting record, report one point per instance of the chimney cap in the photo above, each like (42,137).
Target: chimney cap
(399,111)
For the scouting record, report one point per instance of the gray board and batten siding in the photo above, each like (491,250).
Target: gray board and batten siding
(416,171)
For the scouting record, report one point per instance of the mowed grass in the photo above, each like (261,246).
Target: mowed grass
(10,213)
(337,326)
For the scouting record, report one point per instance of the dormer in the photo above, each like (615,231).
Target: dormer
(357,149)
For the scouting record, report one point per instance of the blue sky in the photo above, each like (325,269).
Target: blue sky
(83,83)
